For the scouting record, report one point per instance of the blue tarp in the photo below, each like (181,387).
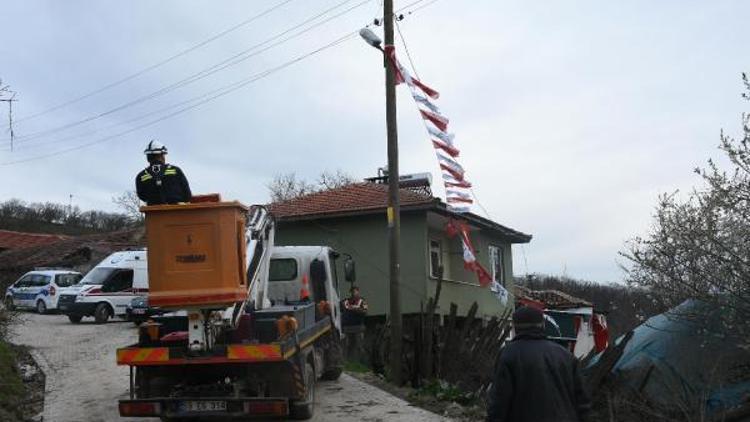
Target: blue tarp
(687,354)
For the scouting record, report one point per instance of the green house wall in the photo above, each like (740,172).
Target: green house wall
(364,237)
(461,286)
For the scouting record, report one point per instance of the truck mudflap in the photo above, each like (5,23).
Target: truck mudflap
(214,407)
(231,353)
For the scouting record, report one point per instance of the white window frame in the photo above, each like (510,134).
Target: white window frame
(495,253)
(439,255)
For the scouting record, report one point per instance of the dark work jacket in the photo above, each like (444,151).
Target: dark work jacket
(162,184)
(536,380)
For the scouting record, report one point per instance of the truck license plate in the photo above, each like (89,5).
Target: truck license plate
(139,311)
(204,406)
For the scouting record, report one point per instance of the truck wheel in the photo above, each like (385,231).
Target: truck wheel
(304,409)
(9,304)
(102,313)
(41,307)
(334,362)
(75,319)
(332,374)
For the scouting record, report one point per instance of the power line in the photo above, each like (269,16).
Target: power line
(207,97)
(159,64)
(214,69)
(226,90)
(480,204)
(199,97)
(33,145)
(406,49)
(231,61)
(429,3)
(378,20)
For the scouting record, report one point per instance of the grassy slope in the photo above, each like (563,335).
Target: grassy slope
(13,224)
(11,387)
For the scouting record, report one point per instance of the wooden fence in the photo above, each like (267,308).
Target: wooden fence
(458,348)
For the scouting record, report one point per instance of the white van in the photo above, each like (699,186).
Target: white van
(107,289)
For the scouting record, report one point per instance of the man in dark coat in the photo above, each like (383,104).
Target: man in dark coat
(536,380)
(161,183)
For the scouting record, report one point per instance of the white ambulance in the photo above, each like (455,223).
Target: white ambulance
(107,290)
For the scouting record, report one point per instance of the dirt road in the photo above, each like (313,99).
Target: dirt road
(84,383)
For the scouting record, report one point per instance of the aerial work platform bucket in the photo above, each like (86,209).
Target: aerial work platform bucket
(196,255)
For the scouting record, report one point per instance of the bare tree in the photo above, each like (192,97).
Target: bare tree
(130,205)
(287,186)
(332,180)
(58,218)
(699,247)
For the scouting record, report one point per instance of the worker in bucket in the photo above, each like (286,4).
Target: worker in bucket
(161,183)
(535,379)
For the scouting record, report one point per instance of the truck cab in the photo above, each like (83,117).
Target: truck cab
(291,266)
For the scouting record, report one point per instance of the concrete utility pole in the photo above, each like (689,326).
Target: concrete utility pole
(6,89)
(394,206)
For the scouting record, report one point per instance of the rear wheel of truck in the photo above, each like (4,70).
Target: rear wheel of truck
(75,319)
(102,313)
(304,409)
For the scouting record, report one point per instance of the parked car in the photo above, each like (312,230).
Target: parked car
(107,290)
(138,311)
(40,289)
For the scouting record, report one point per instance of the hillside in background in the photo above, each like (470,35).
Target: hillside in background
(52,218)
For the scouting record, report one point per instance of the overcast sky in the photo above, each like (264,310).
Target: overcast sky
(571,117)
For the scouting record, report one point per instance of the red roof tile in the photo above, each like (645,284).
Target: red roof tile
(370,197)
(353,198)
(17,240)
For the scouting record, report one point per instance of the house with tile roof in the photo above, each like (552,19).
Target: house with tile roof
(352,220)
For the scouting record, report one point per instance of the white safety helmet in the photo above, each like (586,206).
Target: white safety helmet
(155,148)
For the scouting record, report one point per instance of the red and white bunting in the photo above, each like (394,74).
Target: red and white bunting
(453,152)
(454,228)
(457,187)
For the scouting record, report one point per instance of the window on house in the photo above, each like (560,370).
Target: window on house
(436,258)
(497,264)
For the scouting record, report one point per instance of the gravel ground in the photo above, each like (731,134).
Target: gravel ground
(84,383)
